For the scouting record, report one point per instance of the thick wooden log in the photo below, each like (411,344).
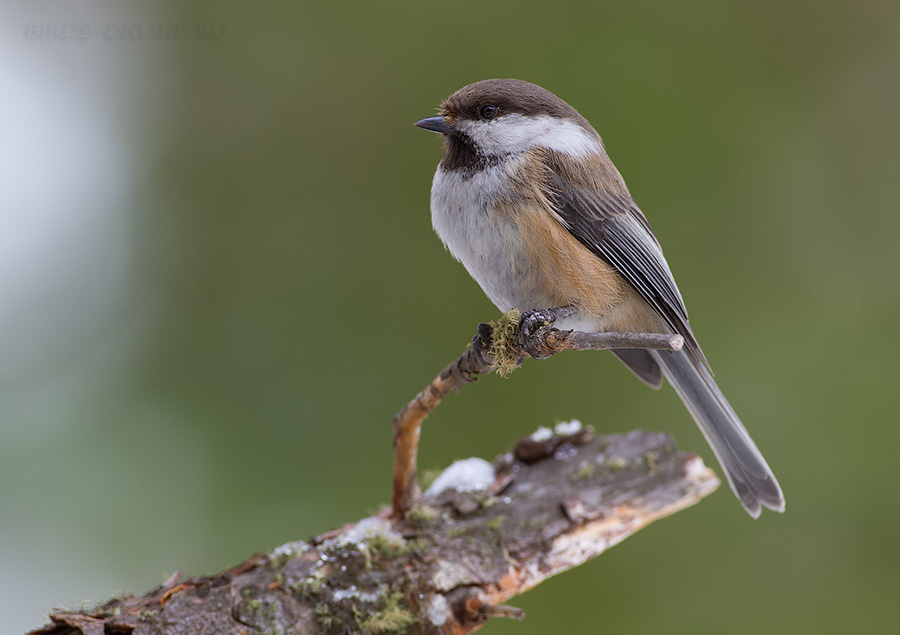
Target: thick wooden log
(483,534)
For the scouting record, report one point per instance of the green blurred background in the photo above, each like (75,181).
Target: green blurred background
(218,282)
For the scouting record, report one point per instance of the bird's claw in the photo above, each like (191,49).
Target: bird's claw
(534,319)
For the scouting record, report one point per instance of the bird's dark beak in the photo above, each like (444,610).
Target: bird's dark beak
(436,124)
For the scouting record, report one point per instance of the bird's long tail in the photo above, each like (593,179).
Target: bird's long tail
(746,469)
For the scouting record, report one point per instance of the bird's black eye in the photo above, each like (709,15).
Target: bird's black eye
(488,112)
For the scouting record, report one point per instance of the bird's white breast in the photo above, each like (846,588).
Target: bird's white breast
(488,243)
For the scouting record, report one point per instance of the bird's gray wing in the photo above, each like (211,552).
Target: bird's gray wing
(613,227)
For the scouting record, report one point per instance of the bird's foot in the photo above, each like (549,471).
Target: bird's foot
(534,319)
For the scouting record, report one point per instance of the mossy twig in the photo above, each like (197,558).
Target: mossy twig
(506,353)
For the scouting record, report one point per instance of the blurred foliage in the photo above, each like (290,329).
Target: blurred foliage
(286,295)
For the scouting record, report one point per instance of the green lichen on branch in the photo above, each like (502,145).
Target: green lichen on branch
(391,616)
(505,342)
(382,611)
(422,514)
(352,580)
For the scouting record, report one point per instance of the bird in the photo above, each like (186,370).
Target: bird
(528,200)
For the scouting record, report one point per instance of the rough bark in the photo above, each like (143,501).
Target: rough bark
(447,566)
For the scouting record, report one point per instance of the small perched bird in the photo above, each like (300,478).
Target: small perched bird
(528,200)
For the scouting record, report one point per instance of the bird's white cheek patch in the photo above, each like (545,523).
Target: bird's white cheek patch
(516,133)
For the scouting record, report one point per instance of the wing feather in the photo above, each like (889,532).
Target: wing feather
(613,227)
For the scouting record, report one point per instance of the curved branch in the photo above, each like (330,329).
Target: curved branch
(474,361)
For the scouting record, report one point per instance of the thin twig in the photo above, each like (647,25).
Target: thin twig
(581,341)
(543,342)
(408,424)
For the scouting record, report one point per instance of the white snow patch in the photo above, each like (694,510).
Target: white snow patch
(289,550)
(438,610)
(466,475)
(562,429)
(353,593)
(364,531)
(694,468)
(568,428)
(542,434)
